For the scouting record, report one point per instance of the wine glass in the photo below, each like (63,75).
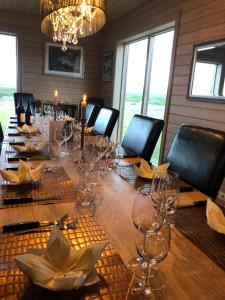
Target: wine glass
(60,138)
(89,159)
(153,246)
(165,190)
(102,148)
(144,212)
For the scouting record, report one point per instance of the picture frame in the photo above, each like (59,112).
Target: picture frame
(69,63)
(107,66)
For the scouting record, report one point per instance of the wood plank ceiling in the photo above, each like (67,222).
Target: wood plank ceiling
(115,8)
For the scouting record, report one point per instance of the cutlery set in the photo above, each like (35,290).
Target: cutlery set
(37,226)
(17,200)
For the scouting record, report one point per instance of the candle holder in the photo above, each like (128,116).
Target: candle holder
(55,110)
(83,122)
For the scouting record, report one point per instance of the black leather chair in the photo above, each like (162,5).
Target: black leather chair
(69,109)
(25,96)
(1,137)
(92,111)
(142,135)
(95,100)
(198,155)
(106,121)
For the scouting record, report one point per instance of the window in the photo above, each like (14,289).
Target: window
(8,76)
(145,77)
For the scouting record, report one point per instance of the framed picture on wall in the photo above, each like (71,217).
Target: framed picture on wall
(69,63)
(107,66)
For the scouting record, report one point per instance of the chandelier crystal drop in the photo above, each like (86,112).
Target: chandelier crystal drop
(68,20)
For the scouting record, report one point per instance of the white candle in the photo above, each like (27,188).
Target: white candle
(83,107)
(56,95)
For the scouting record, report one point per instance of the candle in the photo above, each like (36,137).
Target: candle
(83,107)
(56,95)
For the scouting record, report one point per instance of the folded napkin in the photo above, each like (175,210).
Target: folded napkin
(29,147)
(145,170)
(26,129)
(215,217)
(59,266)
(68,118)
(24,174)
(89,129)
(102,143)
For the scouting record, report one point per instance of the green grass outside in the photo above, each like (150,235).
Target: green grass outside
(6,105)
(158,100)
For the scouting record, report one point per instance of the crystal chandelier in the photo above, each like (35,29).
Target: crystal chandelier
(68,20)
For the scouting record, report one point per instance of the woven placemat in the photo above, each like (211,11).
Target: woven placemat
(9,153)
(113,273)
(53,184)
(192,222)
(127,172)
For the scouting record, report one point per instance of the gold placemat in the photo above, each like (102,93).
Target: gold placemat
(192,222)
(127,172)
(56,183)
(10,153)
(113,273)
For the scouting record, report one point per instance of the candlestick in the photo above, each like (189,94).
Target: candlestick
(56,95)
(83,120)
(83,107)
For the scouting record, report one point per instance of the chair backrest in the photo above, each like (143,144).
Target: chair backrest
(26,96)
(106,121)
(1,137)
(142,135)
(198,155)
(69,109)
(95,100)
(92,111)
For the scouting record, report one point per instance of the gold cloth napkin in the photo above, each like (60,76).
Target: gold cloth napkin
(68,118)
(59,266)
(29,147)
(145,170)
(26,129)
(24,174)
(89,129)
(215,217)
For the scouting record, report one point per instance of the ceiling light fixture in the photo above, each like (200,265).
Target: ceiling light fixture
(68,20)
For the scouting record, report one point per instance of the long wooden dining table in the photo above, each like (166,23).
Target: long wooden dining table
(188,272)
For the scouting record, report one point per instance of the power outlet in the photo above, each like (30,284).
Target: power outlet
(221,196)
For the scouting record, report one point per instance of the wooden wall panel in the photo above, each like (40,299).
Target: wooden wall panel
(201,20)
(31,43)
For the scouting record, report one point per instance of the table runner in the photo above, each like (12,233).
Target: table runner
(192,222)
(14,284)
(55,183)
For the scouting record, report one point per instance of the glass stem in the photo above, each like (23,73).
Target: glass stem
(147,289)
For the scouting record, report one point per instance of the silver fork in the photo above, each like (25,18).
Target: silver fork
(60,223)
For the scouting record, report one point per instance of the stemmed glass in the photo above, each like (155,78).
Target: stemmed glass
(76,135)
(144,212)
(60,137)
(102,148)
(153,246)
(89,157)
(165,189)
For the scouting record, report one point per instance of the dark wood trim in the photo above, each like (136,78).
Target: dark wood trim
(170,86)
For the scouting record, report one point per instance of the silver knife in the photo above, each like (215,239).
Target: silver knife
(30,226)
(17,200)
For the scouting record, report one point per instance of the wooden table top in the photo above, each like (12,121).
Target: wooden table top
(189,273)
